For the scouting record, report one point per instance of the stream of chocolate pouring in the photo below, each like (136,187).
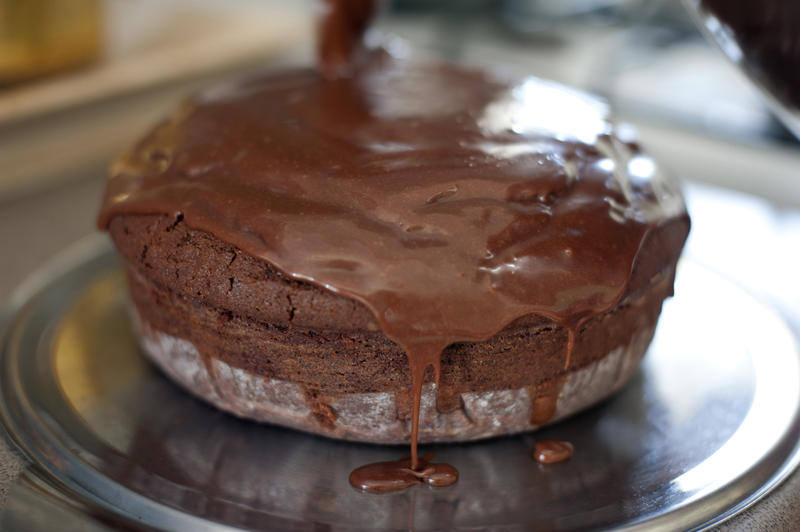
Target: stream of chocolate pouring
(340,42)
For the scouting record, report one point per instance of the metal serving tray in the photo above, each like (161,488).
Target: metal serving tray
(708,426)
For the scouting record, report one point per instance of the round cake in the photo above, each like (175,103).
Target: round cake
(302,250)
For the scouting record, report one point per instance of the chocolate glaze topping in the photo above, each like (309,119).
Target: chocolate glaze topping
(449,202)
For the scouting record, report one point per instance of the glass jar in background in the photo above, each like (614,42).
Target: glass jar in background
(39,37)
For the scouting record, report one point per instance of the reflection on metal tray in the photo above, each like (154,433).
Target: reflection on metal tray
(708,426)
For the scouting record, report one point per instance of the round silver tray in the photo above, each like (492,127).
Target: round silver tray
(708,426)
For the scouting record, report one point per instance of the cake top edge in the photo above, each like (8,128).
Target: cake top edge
(448,200)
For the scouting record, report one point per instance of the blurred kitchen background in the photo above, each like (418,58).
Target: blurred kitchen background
(82,79)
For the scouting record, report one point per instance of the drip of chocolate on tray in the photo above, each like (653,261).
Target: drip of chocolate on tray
(399,474)
(552,451)
(447,201)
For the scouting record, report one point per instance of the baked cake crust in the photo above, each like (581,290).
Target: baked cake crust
(236,332)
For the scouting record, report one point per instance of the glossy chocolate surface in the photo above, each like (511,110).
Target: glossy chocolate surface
(448,202)
(399,474)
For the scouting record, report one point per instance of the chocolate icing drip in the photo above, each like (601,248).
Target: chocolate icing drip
(319,407)
(400,474)
(421,356)
(552,451)
(449,202)
(544,399)
(571,331)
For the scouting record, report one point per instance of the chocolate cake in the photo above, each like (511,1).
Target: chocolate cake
(391,251)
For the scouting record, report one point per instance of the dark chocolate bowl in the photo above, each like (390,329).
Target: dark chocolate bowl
(762,39)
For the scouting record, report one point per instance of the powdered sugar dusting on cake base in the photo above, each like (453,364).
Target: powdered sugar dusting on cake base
(373,417)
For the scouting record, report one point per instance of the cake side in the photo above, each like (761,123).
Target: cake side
(342,377)
(384,417)
(201,267)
